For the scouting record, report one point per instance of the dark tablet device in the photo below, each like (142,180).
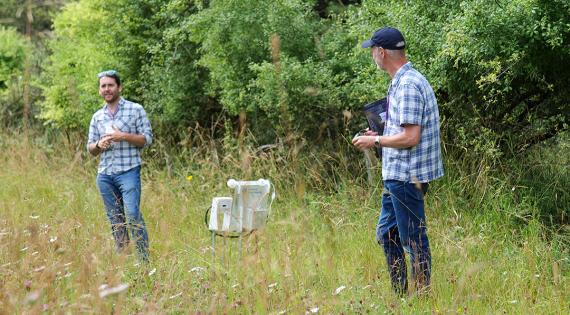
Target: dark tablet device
(376,115)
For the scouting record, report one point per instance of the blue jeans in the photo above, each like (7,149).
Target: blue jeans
(121,195)
(402,227)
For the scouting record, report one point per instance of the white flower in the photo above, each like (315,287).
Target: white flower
(175,295)
(339,289)
(114,290)
(31,297)
(39,269)
(197,269)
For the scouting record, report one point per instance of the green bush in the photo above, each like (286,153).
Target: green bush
(13,52)
(499,68)
(239,37)
(82,48)
(160,63)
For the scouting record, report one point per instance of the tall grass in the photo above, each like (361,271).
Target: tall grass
(317,254)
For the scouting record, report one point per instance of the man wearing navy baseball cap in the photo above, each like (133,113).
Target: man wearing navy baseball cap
(387,38)
(411,158)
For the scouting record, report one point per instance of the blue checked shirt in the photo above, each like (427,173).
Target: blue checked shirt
(411,100)
(121,156)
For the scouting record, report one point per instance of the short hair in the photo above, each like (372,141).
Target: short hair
(396,53)
(111,74)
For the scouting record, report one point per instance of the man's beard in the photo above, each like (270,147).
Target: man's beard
(113,99)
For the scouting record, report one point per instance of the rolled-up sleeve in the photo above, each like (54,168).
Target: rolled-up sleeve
(144,128)
(411,105)
(94,135)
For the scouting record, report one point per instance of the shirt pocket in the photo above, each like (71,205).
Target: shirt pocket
(127,123)
(100,126)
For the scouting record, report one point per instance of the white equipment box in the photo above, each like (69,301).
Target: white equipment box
(248,210)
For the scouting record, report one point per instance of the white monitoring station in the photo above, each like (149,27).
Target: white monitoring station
(247,211)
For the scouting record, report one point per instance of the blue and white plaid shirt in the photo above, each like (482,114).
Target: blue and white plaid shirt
(411,100)
(121,156)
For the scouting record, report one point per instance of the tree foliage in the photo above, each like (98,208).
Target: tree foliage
(13,49)
(80,50)
(13,52)
(13,13)
(499,68)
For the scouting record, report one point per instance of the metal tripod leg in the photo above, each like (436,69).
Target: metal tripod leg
(213,247)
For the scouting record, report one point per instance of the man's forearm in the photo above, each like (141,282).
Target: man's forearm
(408,138)
(398,141)
(134,139)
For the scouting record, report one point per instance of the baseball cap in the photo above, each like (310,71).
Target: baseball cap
(388,38)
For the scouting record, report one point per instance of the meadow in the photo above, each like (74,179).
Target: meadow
(492,252)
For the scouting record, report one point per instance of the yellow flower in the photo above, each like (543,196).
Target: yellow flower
(189,178)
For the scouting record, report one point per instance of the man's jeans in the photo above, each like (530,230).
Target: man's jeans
(402,227)
(121,195)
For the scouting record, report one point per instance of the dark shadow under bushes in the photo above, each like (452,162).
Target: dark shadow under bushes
(544,174)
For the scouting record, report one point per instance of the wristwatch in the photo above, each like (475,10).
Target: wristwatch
(377,142)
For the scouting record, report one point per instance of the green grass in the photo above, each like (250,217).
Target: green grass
(56,249)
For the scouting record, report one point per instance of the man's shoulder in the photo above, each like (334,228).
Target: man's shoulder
(99,112)
(413,77)
(132,105)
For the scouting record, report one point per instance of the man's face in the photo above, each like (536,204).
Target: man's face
(109,90)
(378,54)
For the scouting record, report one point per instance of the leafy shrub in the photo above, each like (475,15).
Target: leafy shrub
(499,68)
(82,48)
(13,52)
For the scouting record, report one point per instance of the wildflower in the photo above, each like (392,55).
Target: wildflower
(114,290)
(31,297)
(339,289)
(40,269)
(197,269)
(175,295)
(189,178)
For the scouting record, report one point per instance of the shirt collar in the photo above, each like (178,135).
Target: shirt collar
(119,105)
(407,66)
